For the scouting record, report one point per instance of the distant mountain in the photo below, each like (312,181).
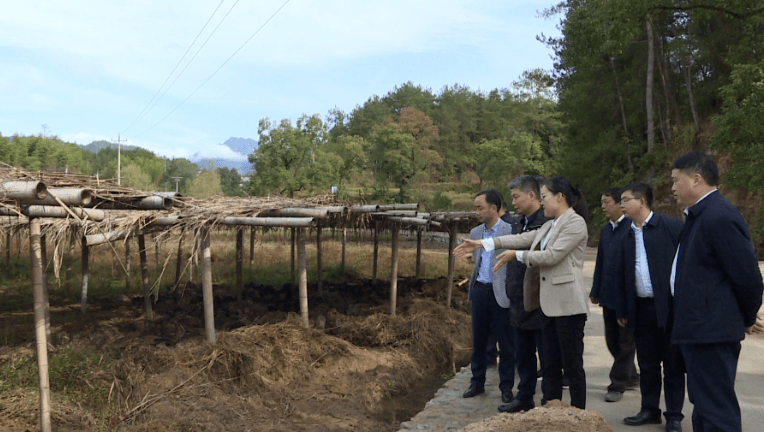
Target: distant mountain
(233,157)
(96,146)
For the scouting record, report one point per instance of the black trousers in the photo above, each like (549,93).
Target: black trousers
(620,343)
(653,349)
(527,342)
(711,370)
(488,317)
(563,339)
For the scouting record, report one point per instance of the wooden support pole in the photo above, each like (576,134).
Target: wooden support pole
(344,241)
(156,248)
(292,261)
(376,253)
(209,309)
(418,253)
(451,262)
(8,252)
(194,257)
(39,318)
(145,278)
(251,247)
(239,263)
(394,270)
(319,263)
(45,293)
(179,257)
(68,263)
(303,271)
(127,265)
(84,295)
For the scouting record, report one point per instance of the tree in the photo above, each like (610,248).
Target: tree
(134,177)
(230,182)
(290,158)
(403,149)
(207,184)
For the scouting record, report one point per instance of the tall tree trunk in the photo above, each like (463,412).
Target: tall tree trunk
(649,94)
(623,112)
(668,90)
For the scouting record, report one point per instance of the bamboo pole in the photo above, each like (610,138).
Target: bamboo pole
(156,249)
(319,263)
(23,190)
(69,196)
(60,212)
(270,221)
(39,317)
(68,264)
(209,309)
(451,262)
(418,253)
(292,256)
(194,257)
(45,293)
(127,265)
(376,252)
(251,247)
(303,270)
(344,241)
(179,258)
(8,252)
(145,277)
(84,295)
(394,270)
(239,262)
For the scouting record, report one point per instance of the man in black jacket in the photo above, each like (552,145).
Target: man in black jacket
(648,252)
(606,291)
(526,199)
(717,290)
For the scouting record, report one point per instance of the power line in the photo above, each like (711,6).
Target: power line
(216,70)
(175,68)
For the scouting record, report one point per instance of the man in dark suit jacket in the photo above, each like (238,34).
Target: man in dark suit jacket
(717,290)
(490,305)
(526,199)
(648,253)
(606,292)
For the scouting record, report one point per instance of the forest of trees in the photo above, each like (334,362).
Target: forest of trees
(635,83)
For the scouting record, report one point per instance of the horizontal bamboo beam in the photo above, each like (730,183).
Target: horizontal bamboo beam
(387,207)
(23,190)
(33,211)
(319,213)
(409,220)
(270,221)
(364,208)
(401,213)
(111,236)
(69,196)
(154,203)
(165,221)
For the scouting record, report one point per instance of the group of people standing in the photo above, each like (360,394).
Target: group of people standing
(678,296)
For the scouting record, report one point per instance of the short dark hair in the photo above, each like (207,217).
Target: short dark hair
(492,196)
(573,196)
(696,162)
(526,183)
(641,190)
(613,192)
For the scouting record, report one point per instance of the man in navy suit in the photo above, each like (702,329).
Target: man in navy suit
(644,306)
(717,290)
(606,291)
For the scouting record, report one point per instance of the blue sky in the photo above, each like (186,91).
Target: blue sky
(87,69)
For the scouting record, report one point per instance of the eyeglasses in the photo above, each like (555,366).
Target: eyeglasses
(624,200)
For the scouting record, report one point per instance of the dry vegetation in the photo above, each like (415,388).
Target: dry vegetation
(113,370)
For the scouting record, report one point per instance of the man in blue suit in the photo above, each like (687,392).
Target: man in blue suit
(490,304)
(717,290)
(644,306)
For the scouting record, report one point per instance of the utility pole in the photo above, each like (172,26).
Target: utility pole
(119,158)
(177,179)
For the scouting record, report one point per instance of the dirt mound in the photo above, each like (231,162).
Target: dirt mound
(555,416)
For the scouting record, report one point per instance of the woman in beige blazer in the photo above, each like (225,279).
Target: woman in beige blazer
(553,281)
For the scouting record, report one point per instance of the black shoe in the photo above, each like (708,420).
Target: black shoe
(516,406)
(507,396)
(644,417)
(673,426)
(473,391)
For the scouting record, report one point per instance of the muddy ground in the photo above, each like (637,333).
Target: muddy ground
(265,373)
